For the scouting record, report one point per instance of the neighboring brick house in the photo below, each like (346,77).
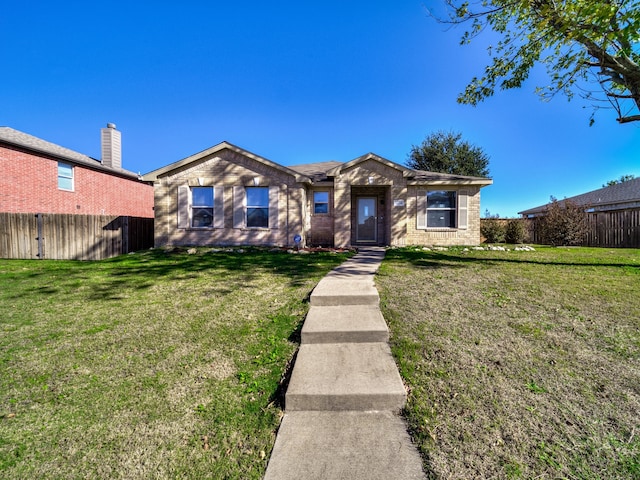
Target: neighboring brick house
(228,196)
(41,177)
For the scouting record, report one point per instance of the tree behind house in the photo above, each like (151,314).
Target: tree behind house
(446,152)
(622,179)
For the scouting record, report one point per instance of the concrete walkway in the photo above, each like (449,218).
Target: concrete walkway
(341,407)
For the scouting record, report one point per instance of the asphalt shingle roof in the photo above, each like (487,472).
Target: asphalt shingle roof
(316,171)
(29,142)
(614,196)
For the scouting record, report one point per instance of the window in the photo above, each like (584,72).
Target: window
(441,209)
(202,207)
(320,202)
(257,207)
(65,176)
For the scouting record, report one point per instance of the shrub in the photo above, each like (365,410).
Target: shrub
(516,231)
(492,229)
(563,223)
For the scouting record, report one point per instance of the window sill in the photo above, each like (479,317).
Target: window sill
(439,229)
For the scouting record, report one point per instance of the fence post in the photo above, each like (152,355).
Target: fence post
(40,238)
(125,234)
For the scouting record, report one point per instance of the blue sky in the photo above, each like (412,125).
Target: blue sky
(292,81)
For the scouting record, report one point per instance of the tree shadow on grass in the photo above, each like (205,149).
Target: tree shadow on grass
(229,270)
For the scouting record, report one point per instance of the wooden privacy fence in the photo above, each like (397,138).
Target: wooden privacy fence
(72,237)
(612,229)
(618,228)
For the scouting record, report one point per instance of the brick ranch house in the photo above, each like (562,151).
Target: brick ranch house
(228,196)
(42,177)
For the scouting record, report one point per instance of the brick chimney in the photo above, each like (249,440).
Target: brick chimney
(111,147)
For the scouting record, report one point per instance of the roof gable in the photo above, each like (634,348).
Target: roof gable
(203,155)
(406,172)
(414,177)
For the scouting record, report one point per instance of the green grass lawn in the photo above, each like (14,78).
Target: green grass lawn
(151,365)
(519,364)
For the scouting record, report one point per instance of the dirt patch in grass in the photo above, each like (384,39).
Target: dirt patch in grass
(162,364)
(519,364)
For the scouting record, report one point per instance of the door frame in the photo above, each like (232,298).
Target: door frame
(374,199)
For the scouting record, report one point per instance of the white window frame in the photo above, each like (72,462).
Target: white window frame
(257,206)
(460,210)
(450,211)
(194,207)
(315,202)
(185,207)
(240,208)
(62,176)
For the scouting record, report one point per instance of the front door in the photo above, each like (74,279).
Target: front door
(366,227)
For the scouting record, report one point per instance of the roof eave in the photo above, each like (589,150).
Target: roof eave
(155,174)
(470,182)
(91,163)
(406,172)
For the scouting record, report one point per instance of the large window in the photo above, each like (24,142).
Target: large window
(320,202)
(441,209)
(202,207)
(257,207)
(65,176)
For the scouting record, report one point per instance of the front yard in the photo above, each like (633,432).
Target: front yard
(152,365)
(163,364)
(519,364)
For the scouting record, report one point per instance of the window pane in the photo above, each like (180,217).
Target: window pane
(441,218)
(65,183)
(65,176)
(441,199)
(258,197)
(202,196)
(321,208)
(65,170)
(320,202)
(257,217)
(321,197)
(202,217)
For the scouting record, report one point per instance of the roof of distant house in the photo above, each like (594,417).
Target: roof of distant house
(614,197)
(29,142)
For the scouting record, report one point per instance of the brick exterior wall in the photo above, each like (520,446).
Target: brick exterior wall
(397,208)
(29,184)
(227,170)
(374,179)
(224,171)
(444,237)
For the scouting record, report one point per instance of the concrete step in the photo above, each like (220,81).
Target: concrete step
(338,291)
(342,324)
(345,376)
(343,445)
